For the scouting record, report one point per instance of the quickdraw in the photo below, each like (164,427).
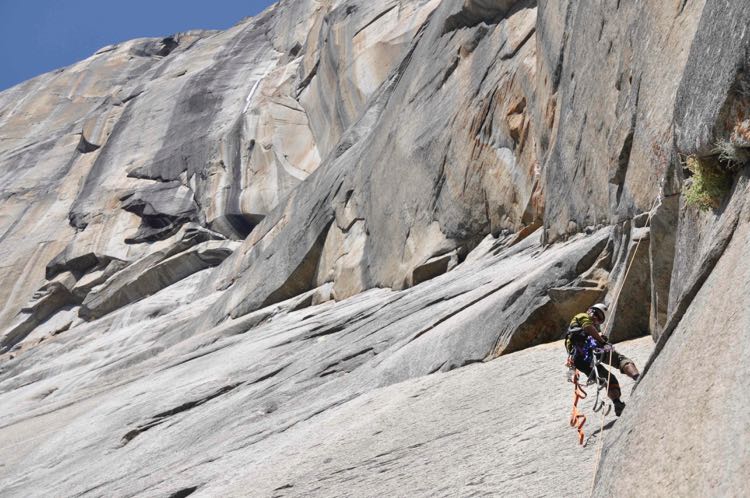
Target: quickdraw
(599,403)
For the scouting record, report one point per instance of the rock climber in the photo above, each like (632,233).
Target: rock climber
(583,336)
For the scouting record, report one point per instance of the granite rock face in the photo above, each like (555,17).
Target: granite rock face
(707,304)
(219,243)
(688,383)
(153,396)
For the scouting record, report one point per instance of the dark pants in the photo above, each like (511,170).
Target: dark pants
(615,360)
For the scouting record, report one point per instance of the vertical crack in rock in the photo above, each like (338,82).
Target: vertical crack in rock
(662,251)
(629,316)
(624,131)
(557,73)
(622,160)
(704,272)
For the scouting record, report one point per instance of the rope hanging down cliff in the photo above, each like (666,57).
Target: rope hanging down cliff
(588,350)
(656,202)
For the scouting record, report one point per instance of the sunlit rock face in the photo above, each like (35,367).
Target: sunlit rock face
(271,226)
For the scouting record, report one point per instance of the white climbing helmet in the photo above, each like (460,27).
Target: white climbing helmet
(601,310)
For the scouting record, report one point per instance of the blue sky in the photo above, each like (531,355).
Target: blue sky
(37,36)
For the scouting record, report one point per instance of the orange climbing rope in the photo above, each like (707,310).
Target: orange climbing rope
(577,419)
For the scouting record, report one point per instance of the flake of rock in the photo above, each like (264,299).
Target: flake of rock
(151,274)
(163,209)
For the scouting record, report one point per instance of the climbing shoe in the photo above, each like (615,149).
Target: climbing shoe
(619,406)
(630,370)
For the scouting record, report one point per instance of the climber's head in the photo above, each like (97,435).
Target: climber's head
(597,312)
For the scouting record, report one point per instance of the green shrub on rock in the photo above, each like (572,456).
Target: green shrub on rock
(709,184)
